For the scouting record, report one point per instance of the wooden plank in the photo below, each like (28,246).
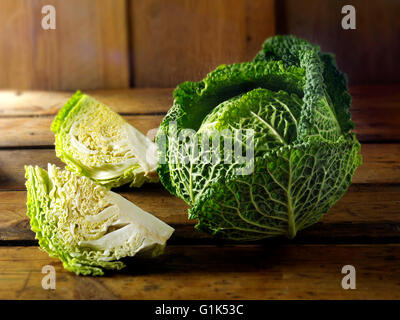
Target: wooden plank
(48,103)
(215,272)
(375,110)
(378,98)
(87,50)
(35,131)
(179,40)
(380,164)
(365,211)
(12,162)
(368,54)
(27,131)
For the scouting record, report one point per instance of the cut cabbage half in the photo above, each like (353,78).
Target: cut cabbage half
(86,226)
(96,142)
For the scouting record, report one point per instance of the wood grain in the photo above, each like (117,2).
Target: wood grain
(35,131)
(215,272)
(28,131)
(369,54)
(381,164)
(365,211)
(47,103)
(375,111)
(87,50)
(12,162)
(375,98)
(180,40)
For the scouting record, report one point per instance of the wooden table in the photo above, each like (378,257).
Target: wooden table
(362,230)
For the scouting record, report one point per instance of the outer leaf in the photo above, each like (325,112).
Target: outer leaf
(289,190)
(193,101)
(290,50)
(272,116)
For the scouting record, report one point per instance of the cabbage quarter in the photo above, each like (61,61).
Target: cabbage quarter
(86,226)
(96,142)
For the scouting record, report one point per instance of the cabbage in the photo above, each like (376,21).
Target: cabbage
(98,143)
(293,102)
(86,226)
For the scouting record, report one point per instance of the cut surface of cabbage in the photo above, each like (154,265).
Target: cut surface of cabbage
(86,226)
(96,142)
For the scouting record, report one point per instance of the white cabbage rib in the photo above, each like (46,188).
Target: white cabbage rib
(141,146)
(139,227)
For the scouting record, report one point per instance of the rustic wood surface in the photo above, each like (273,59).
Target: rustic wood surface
(36,131)
(19,103)
(375,111)
(380,164)
(217,272)
(362,229)
(87,50)
(365,211)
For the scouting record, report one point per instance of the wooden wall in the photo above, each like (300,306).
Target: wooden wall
(178,40)
(88,49)
(369,54)
(100,44)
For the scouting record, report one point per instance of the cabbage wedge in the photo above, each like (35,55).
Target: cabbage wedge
(86,226)
(98,143)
